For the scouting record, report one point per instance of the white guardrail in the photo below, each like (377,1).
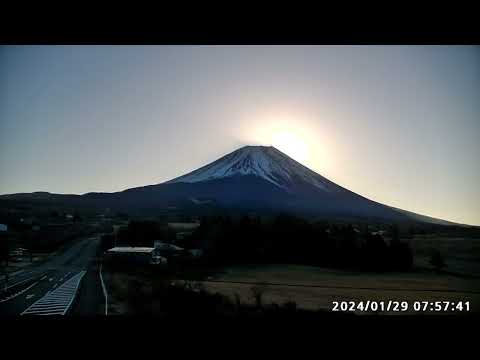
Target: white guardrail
(105,293)
(58,301)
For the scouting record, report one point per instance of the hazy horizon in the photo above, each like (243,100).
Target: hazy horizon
(396,124)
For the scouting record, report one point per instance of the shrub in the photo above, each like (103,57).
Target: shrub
(257,294)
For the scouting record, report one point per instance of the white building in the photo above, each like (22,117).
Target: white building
(143,255)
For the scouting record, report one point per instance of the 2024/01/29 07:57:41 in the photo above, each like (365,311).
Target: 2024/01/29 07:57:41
(401,306)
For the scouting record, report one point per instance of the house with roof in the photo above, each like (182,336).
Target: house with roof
(134,255)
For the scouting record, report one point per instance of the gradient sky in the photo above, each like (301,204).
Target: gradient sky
(397,124)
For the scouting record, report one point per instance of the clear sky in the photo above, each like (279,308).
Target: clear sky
(397,124)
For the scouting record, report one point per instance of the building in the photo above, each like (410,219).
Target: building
(3,227)
(135,255)
(196,253)
(31,220)
(183,226)
(167,250)
(183,229)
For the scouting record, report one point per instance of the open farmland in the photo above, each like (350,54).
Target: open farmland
(462,255)
(316,288)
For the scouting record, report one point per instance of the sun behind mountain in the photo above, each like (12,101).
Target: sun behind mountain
(292,145)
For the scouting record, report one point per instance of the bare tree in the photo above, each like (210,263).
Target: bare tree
(437,260)
(257,293)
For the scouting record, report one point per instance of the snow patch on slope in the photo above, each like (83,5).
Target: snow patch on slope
(262,161)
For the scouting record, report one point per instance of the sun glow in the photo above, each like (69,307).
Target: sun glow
(292,145)
(298,134)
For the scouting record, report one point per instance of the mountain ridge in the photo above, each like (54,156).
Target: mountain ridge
(264,161)
(249,178)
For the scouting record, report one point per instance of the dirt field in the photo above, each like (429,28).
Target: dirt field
(323,286)
(316,288)
(118,292)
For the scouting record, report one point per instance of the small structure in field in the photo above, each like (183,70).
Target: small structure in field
(170,251)
(196,253)
(167,250)
(3,227)
(183,229)
(183,226)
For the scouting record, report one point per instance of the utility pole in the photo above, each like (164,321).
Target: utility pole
(4,251)
(6,269)
(115,232)
(6,277)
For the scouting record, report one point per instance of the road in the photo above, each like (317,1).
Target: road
(66,283)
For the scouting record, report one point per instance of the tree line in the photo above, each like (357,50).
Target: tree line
(289,239)
(283,239)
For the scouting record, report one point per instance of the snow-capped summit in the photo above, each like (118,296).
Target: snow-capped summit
(265,162)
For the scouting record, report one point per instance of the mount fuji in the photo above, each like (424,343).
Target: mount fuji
(252,178)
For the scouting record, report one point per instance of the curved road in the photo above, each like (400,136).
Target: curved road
(34,283)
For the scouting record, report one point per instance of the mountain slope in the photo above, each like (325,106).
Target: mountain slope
(253,178)
(300,189)
(265,162)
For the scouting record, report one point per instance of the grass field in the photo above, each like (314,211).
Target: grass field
(316,288)
(462,255)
